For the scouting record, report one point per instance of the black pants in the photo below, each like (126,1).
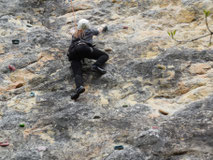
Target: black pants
(84,51)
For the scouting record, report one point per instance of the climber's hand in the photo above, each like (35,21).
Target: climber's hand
(103,29)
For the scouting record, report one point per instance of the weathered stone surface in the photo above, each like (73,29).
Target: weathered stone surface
(126,154)
(187,134)
(147,72)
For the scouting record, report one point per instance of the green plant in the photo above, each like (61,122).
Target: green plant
(206,13)
(172,34)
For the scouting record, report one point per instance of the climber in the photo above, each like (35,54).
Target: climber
(82,47)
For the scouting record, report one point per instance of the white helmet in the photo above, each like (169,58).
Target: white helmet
(83,24)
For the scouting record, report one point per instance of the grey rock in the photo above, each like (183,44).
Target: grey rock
(126,154)
(90,127)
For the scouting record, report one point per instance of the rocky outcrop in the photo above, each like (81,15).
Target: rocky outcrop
(155,101)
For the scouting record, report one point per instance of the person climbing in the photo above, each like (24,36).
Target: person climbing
(82,47)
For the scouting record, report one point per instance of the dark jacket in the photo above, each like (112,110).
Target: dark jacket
(87,38)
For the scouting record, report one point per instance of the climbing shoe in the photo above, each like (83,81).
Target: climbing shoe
(98,69)
(77,93)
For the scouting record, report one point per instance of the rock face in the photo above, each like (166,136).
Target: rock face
(155,100)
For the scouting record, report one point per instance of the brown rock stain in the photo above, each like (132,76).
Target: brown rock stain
(182,89)
(149,54)
(7,57)
(1,49)
(23,105)
(22,75)
(45,136)
(18,79)
(1,114)
(42,58)
(199,68)
(196,94)
(104,100)
(40,132)
(185,16)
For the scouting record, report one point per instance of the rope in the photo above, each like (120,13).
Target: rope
(73,11)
